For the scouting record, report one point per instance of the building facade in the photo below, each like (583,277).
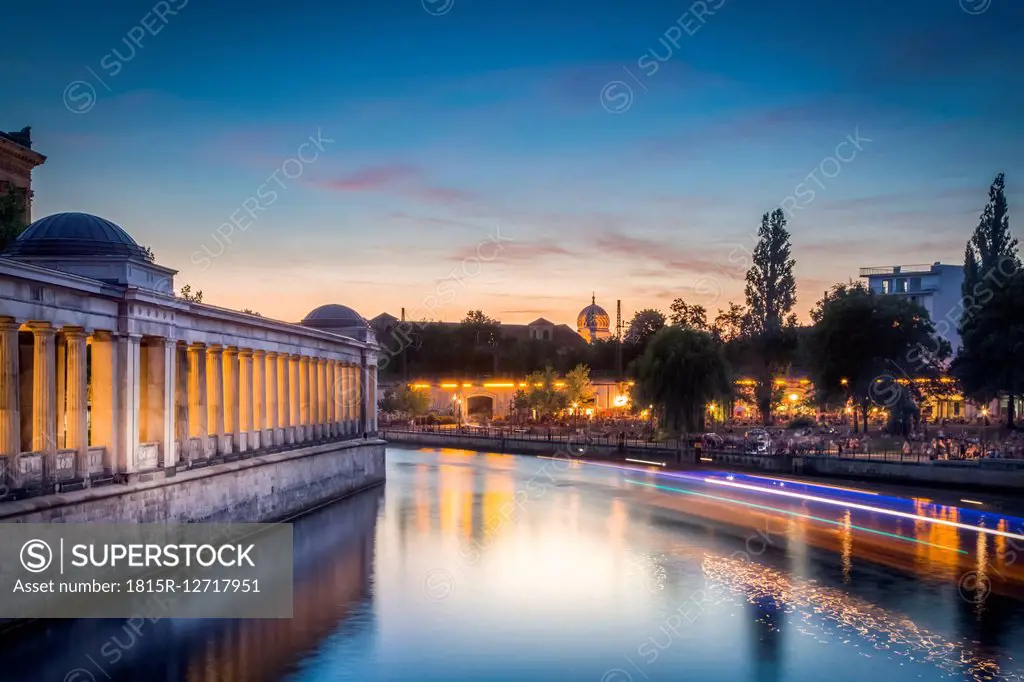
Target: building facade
(17,160)
(936,287)
(106,375)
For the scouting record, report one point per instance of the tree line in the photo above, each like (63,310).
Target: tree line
(861,348)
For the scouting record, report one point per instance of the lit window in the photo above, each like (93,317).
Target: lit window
(885,286)
(901,286)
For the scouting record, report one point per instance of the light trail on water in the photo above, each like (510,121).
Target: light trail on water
(820,519)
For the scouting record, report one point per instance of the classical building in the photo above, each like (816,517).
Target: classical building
(106,375)
(16,163)
(593,323)
(936,287)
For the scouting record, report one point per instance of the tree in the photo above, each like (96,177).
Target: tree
(644,324)
(771,295)
(479,342)
(692,316)
(728,324)
(993,343)
(542,395)
(861,342)
(578,388)
(186,293)
(404,401)
(12,215)
(680,372)
(990,258)
(247,311)
(477,318)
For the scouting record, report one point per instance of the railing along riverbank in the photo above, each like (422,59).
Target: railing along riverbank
(895,467)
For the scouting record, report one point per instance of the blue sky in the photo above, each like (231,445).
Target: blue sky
(453,121)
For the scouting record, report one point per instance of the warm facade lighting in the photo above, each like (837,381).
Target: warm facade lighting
(793,397)
(500,385)
(419,387)
(621,400)
(449,385)
(467,385)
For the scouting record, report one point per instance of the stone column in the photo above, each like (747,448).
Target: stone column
(127,386)
(321,398)
(198,411)
(333,407)
(105,403)
(259,398)
(44,390)
(273,411)
(346,399)
(215,396)
(360,407)
(77,424)
(295,398)
(182,430)
(284,398)
(330,419)
(304,397)
(61,374)
(168,445)
(10,396)
(372,398)
(245,398)
(231,408)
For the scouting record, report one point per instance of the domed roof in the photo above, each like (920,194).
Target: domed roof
(332,316)
(593,317)
(75,234)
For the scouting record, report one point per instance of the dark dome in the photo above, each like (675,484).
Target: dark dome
(333,316)
(74,234)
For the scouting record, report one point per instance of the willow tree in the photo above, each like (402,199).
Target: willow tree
(680,372)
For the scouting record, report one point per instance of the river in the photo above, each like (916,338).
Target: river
(470,566)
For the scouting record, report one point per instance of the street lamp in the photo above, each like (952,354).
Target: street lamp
(457,407)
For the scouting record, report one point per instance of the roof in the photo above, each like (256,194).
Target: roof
(539,321)
(333,316)
(22,137)
(75,234)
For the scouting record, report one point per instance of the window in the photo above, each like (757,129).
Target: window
(915,284)
(547,334)
(886,286)
(901,286)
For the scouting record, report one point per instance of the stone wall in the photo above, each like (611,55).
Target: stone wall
(530,447)
(264,488)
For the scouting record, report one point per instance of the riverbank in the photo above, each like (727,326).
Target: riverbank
(992,480)
(257,489)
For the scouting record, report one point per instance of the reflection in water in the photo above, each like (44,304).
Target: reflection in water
(502,568)
(334,549)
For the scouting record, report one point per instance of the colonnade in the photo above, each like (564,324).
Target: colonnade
(80,404)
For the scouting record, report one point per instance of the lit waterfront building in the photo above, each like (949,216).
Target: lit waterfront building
(106,375)
(936,287)
(593,323)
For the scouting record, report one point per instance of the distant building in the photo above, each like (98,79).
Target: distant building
(935,287)
(593,323)
(16,163)
(561,335)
